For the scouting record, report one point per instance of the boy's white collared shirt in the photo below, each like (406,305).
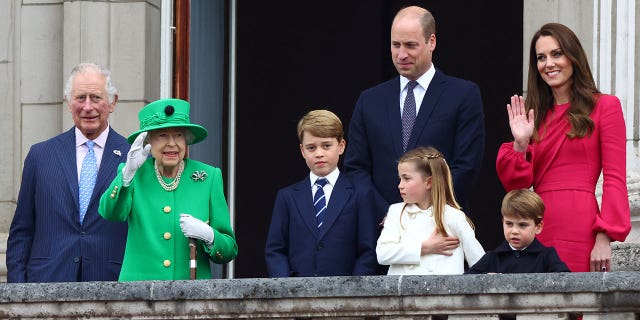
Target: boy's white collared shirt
(400,242)
(332,178)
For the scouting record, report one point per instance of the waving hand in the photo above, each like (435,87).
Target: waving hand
(521,123)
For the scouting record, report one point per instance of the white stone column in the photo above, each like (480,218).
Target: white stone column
(125,38)
(617,55)
(9,111)
(40,42)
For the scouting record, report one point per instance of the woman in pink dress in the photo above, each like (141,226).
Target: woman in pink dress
(565,134)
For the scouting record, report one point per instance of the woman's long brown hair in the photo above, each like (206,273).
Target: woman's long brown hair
(583,92)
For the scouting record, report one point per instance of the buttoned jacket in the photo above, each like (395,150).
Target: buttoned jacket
(156,247)
(450,119)
(535,258)
(343,246)
(46,241)
(401,240)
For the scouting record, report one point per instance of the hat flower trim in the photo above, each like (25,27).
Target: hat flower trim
(161,118)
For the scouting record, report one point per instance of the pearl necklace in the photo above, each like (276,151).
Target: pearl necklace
(174,184)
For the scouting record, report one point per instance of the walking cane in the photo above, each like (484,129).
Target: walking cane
(192,258)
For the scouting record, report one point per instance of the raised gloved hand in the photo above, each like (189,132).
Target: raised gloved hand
(194,228)
(135,158)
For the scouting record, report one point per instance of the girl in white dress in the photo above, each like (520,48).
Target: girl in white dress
(429,209)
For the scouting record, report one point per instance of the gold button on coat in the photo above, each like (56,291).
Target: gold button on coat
(167,263)
(167,235)
(167,209)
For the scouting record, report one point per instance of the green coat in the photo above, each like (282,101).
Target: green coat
(156,247)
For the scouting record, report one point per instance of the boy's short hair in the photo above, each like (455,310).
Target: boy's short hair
(321,123)
(523,203)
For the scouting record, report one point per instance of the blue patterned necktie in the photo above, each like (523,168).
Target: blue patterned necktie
(320,202)
(88,175)
(408,114)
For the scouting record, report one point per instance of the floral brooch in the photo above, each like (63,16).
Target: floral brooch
(199,175)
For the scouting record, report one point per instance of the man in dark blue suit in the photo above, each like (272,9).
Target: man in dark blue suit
(49,240)
(421,107)
(322,225)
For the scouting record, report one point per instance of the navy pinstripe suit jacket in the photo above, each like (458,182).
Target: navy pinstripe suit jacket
(46,241)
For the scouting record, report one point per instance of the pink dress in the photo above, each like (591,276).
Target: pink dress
(564,172)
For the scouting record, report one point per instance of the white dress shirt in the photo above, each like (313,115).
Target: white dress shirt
(82,149)
(418,91)
(332,178)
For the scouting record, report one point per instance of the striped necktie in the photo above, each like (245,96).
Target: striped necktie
(320,201)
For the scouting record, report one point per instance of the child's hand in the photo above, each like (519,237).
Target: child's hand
(381,224)
(437,244)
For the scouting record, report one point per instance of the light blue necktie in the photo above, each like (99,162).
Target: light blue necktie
(320,202)
(88,175)
(408,114)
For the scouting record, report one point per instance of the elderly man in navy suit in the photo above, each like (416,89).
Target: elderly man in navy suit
(420,107)
(56,234)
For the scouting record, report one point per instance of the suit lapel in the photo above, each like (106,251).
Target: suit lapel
(110,159)
(393,114)
(429,102)
(66,155)
(302,196)
(339,197)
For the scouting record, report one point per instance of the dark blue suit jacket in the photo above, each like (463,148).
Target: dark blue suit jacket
(344,245)
(46,241)
(536,258)
(451,119)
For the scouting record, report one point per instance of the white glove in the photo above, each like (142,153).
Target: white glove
(135,158)
(194,228)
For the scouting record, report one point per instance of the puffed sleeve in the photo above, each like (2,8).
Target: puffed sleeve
(615,217)
(514,169)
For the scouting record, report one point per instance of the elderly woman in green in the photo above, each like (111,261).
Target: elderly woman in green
(168,199)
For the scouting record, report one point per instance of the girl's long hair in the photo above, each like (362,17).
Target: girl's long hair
(431,163)
(583,92)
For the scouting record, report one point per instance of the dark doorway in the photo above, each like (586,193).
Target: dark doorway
(294,57)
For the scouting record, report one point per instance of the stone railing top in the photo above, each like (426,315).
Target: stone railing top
(380,297)
(373,286)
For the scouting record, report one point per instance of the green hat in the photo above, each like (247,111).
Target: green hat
(168,113)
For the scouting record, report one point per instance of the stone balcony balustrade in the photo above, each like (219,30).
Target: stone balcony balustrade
(613,295)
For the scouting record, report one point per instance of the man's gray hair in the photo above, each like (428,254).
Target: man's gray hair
(89,66)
